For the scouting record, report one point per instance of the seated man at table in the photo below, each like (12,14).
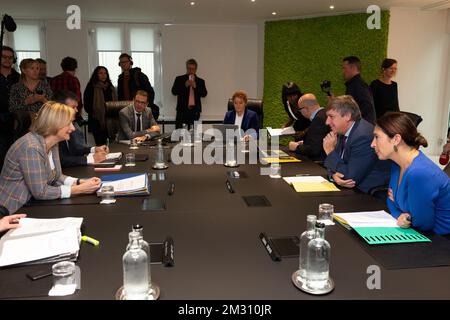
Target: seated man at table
(311,145)
(136,120)
(74,152)
(351,162)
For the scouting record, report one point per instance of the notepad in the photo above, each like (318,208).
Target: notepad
(281,131)
(324,186)
(379,227)
(127,184)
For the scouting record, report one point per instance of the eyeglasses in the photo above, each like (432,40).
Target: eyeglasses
(8,57)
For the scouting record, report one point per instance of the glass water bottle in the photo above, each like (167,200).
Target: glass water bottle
(318,260)
(305,238)
(135,270)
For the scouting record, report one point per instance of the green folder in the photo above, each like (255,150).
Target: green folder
(385,235)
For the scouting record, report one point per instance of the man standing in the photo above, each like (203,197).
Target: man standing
(67,81)
(8,77)
(74,152)
(43,70)
(351,162)
(133,79)
(136,120)
(311,145)
(189,89)
(357,88)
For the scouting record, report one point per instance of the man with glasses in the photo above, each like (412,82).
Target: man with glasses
(8,77)
(311,145)
(136,120)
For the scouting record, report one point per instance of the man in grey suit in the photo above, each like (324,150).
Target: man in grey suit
(136,120)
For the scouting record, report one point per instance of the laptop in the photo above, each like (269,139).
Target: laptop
(223,132)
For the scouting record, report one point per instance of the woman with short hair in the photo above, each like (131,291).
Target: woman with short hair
(32,167)
(419,191)
(247,120)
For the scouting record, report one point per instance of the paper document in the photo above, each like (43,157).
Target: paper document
(280,160)
(129,184)
(325,186)
(274,154)
(30,226)
(305,179)
(41,240)
(281,131)
(367,219)
(114,156)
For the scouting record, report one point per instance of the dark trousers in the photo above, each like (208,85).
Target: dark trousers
(186,116)
(100,135)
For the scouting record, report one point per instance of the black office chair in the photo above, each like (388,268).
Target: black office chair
(255,105)
(416,119)
(112,116)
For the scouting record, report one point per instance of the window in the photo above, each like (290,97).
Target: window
(27,40)
(138,40)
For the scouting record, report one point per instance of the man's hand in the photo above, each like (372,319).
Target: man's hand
(153,129)
(101,149)
(293,145)
(191,83)
(338,178)
(330,142)
(99,157)
(141,139)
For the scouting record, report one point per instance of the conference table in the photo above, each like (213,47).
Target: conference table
(218,253)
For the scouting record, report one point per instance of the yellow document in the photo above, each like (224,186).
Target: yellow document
(280,160)
(314,186)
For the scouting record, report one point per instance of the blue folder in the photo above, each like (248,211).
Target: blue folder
(121,176)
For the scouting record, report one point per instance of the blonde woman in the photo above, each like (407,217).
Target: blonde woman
(32,167)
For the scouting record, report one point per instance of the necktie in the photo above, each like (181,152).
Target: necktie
(344,140)
(191,98)
(138,124)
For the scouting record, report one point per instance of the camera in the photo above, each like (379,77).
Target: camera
(326,87)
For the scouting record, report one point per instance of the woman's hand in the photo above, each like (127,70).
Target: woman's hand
(403,221)
(86,186)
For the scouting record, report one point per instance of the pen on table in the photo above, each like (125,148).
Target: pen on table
(90,240)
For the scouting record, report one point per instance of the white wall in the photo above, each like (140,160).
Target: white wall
(420,41)
(62,42)
(227,57)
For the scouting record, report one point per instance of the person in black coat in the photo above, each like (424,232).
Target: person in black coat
(384,90)
(132,80)
(290,94)
(189,88)
(312,144)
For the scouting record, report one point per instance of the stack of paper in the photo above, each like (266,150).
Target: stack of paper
(311,184)
(134,184)
(288,131)
(277,156)
(378,227)
(41,241)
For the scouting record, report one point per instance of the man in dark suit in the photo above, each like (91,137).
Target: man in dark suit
(358,88)
(351,162)
(311,145)
(189,89)
(136,120)
(74,152)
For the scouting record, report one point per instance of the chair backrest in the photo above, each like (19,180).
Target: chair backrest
(21,123)
(255,105)
(416,119)
(112,116)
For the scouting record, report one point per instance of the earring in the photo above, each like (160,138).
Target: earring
(395,148)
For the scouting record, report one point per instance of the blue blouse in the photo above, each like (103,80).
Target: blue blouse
(424,193)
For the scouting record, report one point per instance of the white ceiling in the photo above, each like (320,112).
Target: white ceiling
(204,11)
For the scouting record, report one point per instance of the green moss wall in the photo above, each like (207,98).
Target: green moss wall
(308,51)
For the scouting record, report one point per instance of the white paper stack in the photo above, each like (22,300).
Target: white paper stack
(41,241)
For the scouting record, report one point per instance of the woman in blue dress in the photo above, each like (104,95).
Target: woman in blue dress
(419,191)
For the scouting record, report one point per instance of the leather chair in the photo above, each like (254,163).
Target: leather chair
(255,105)
(416,119)
(112,117)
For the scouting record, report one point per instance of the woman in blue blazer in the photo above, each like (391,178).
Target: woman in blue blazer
(419,191)
(247,120)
